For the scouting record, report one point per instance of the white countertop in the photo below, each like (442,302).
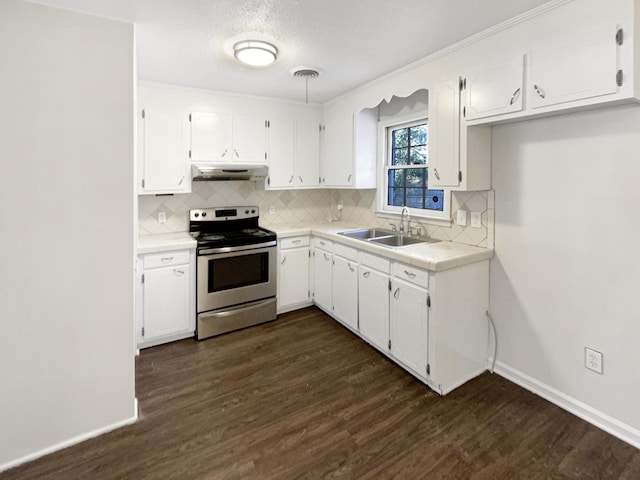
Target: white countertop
(436,256)
(165,241)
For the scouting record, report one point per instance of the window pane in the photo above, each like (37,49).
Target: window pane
(418,156)
(396,178)
(415,197)
(400,156)
(400,138)
(416,177)
(419,135)
(396,188)
(434,200)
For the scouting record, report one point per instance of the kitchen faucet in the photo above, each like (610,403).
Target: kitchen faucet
(405,211)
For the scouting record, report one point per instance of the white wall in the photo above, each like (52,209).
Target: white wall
(66,216)
(566,273)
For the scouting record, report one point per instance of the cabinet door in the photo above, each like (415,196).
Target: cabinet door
(281,153)
(166,301)
(165,151)
(249,139)
(322,267)
(210,137)
(494,90)
(576,70)
(409,325)
(293,277)
(373,306)
(307,154)
(444,135)
(345,291)
(337,152)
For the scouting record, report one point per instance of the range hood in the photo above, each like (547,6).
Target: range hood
(228,171)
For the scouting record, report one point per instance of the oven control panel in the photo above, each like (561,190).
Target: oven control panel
(223,213)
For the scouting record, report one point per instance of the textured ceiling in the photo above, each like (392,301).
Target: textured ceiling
(187,42)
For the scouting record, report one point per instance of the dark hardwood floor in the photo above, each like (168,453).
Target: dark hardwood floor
(304,398)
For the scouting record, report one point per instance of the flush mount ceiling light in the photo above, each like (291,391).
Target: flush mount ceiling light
(255,53)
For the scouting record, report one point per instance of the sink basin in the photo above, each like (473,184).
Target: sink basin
(396,241)
(367,233)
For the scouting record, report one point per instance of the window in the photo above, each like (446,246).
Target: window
(406,171)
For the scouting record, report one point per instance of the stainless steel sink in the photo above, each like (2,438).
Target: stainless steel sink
(383,237)
(396,241)
(366,233)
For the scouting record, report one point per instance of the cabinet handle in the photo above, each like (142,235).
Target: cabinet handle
(178,272)
(435,172)
(409,274)
(350,267)
(539,91)
(295,241)
(366,274)
(236,152)
(224,153)
(327,257)
(514,97)
(396,294)
(322,243)
(291,179)
(181,180)
(284,259)
(349,179)
(300,177)
(166,259)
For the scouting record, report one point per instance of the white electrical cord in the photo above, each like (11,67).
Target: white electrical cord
(495,342)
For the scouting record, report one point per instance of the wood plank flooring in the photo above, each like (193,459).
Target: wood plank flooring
(304,398)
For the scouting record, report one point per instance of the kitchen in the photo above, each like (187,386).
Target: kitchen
(554,288)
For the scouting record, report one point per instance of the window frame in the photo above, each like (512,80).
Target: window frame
(385,127)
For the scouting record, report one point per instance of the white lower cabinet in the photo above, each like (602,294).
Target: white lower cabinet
(293,273)
(322,274)
(373,300)
(345,287)
(433,324)
(166,295)
(408,323)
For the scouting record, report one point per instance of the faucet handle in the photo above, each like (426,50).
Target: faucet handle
(394,227)
(411,229)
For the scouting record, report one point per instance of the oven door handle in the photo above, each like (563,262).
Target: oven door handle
(253,246)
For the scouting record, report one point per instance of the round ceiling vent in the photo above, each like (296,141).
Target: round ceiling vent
(305,72)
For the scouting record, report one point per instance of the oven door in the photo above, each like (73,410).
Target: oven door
(233,275)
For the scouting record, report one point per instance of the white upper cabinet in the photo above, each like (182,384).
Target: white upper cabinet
(348,153)
(337,151)
(494,90)
(459,156)
(294,153)
(577,69)
(307,154)
(444,135)
(228,138)
(164,151)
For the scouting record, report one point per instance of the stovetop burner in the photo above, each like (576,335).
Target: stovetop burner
(228,227)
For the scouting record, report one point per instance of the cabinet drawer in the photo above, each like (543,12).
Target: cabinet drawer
(373,261)
(323,244)
(293,242)
(411,274)
(346,252)
(165,259)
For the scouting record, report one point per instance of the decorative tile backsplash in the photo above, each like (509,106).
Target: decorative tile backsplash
(291,206)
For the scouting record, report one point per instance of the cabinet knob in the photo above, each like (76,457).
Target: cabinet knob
(224,153)
(396,294)
(410,274)
(514,97)
(291,179)
(435,172)
(366,274)
(284,259)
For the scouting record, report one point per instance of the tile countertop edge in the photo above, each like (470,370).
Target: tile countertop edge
(165,242)
(458,256)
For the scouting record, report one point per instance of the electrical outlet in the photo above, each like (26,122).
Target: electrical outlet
(272,209)
(461,218)
(476,219)
(162,217)
(593,360)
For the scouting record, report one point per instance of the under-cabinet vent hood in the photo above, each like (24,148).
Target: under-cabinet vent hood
(212,172)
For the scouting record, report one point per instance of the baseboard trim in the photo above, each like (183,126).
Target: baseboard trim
(73,440)
(609,424)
